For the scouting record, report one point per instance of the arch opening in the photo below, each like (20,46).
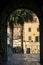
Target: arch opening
(23,33)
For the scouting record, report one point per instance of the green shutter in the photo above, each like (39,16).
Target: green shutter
(38,39)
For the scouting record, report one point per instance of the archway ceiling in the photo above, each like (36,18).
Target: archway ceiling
(4,3)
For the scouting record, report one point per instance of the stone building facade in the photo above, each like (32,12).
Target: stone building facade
(31,36)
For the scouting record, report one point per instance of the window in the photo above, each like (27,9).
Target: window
(29,37)
(37,29)
(35,19)
(29,29)
(37,39)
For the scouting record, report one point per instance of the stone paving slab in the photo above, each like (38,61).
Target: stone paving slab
(24,63)
(22,59)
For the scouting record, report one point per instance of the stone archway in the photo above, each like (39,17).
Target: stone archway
(5,13)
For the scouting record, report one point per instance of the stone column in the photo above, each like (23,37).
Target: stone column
(24,47)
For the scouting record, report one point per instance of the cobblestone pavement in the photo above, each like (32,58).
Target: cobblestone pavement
(22,59)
